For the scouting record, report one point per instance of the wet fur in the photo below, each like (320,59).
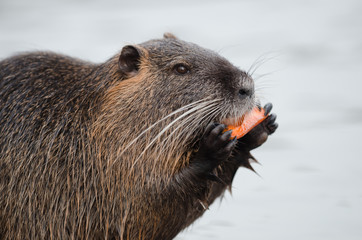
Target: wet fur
(89,151)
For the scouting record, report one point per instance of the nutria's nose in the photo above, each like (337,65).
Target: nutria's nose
(245,92)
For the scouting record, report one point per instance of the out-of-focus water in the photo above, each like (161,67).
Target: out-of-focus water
(311,173)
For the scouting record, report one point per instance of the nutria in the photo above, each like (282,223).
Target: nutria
(132,148)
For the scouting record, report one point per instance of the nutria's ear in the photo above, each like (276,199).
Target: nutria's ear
(169,35)
(129,60)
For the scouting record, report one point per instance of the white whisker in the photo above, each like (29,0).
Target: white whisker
(196,121)
(162,119)
(188,126)
(259,62)
(197,107)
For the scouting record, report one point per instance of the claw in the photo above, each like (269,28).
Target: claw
(267,108)
(272,118)
(217,130)
(272,127)
(230,145)
(214,148)
(226,135)
(210,127)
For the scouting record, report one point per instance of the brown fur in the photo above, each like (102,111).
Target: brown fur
(86,150)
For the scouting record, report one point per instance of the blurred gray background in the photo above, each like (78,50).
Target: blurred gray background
(311,53)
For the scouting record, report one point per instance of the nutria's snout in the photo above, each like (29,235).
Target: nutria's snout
(241,101)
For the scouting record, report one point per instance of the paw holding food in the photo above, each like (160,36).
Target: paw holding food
(255,127)
(249,121)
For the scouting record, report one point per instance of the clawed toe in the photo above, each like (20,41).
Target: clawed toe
(267,108)
(215,147)
(271,125)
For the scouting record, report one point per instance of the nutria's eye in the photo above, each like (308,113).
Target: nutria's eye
(181,69)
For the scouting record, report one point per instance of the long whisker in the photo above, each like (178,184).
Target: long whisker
(261,60)
(196,120)
(203,118)
(198,107)
(162,119)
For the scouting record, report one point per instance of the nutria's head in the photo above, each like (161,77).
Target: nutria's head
(169,92)
(185,73)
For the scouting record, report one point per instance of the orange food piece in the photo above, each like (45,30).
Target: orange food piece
(250,120)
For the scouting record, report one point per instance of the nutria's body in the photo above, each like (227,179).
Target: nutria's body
(118,150)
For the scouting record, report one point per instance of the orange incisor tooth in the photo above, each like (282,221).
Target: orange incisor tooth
(251,120)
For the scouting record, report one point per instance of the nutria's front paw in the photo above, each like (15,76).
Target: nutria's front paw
(215,147)
(259,134)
